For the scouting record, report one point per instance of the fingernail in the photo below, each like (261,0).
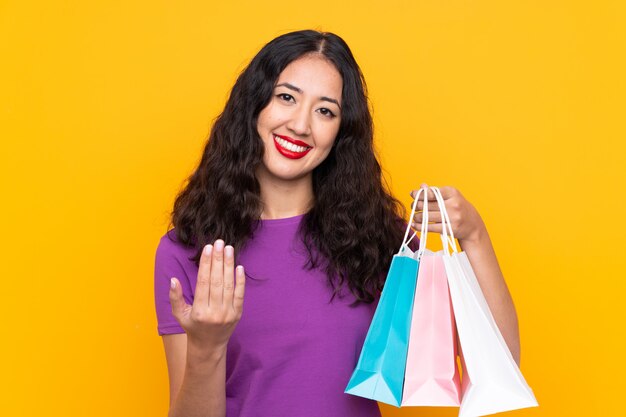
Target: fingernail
(207,249)
(172,283)
(219,245)
(228,251)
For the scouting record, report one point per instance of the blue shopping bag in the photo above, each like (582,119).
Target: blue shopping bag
(379,373)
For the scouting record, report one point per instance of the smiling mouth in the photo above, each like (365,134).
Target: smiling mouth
(290,149)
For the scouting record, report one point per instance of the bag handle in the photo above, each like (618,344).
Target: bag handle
(447,235)
(422,244)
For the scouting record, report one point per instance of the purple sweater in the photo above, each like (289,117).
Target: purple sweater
(293,351)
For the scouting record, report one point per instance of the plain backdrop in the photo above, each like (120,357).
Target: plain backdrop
(105,107)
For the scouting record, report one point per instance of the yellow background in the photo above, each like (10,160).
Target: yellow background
(105,106)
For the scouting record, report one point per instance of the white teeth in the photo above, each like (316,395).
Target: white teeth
(290,146)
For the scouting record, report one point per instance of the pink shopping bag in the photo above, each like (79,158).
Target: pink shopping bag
(431,376)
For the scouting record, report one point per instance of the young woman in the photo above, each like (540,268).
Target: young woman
(289,182)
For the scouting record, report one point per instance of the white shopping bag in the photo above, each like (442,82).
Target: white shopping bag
(492,381)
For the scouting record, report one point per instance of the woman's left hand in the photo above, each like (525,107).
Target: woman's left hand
(467,224)
(469,229)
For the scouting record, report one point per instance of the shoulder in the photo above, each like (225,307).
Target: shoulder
(174,259)
(170,247)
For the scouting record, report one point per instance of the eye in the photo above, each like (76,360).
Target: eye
(284,96)
(328,113)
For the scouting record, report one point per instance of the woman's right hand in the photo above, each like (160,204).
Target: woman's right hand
(218,301)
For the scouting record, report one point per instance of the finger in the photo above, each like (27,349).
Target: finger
(216,295)
(432,228)
(434,217)
(203,285)
(229,275)
(413,193)
(432,205)
(240,287)
(176,299)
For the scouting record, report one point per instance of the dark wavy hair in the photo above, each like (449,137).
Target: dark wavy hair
(355,224)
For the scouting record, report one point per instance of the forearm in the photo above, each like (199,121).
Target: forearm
(483,259)
(203,390)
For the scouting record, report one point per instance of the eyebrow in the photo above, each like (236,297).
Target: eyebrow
(296,89)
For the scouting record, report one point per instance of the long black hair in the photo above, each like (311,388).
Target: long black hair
(355,224)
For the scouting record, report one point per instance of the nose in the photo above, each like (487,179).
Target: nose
(300,122)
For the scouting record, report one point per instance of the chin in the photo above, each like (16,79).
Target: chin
(292,176)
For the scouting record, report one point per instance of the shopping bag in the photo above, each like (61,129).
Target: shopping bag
(379,373)
(431,377)
(492,381)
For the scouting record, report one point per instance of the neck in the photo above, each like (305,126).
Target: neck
(282,198)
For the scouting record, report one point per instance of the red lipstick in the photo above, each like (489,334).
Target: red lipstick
(289,153)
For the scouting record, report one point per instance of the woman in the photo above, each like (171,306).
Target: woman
(290,183)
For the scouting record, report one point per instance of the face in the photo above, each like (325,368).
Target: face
(299,125)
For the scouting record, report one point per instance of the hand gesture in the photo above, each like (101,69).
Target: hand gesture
(218,301)
(466,223)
